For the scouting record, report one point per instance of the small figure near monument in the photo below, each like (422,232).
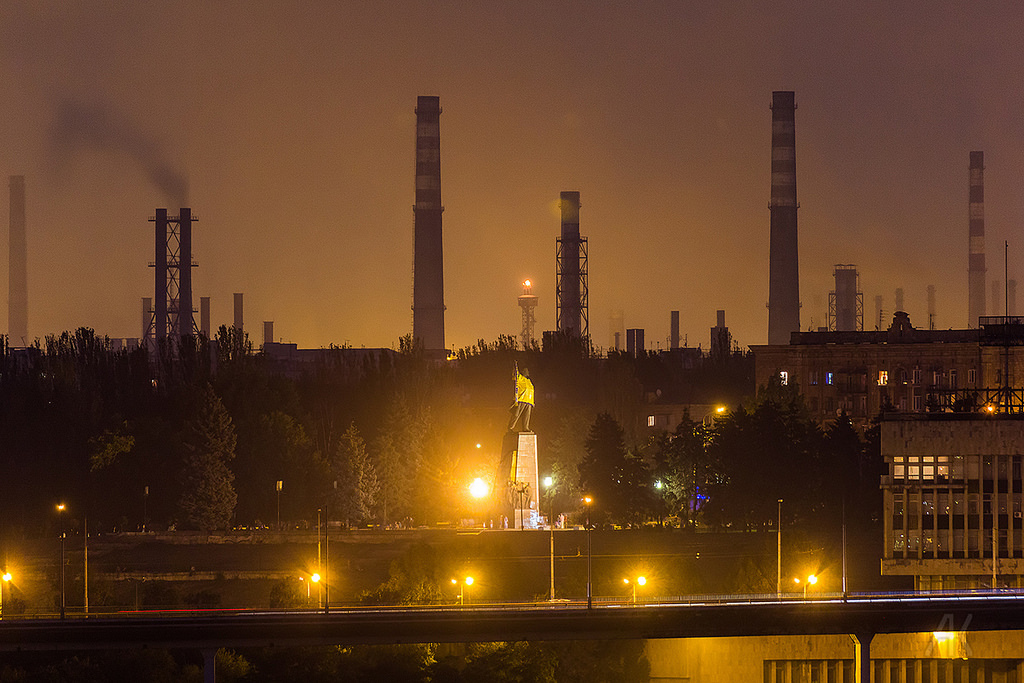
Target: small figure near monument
(522,409)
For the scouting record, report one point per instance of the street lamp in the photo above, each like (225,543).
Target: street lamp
(280,485)
(778,533)
(60,513)
(548,483)
(587,501)
(640,581)
(465,583)
(811,580)
(6,578)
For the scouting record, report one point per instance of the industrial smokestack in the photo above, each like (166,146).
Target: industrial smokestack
(846,303)
(721,340)
(931,307)
(784,272)
(976,240)
(238,311)
(204,316)
(571,297)
(160,277)
(616,329)
(428,254)
(17,293)
(673,333)
(268,332)
(1011,297)
(899,299)
(635,342)
(147,322)
(186,323)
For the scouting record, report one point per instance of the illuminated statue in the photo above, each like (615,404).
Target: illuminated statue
(522,409)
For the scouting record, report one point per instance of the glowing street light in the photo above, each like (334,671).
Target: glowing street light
(811,580)
(465,583)
(60,513)
(5,579)
(640,581)
(588,501)
(479,488)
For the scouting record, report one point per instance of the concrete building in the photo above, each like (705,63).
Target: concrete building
(903,368)
(953,499)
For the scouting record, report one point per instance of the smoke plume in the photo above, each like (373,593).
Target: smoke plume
(79,126)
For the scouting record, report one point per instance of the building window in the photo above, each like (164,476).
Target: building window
(828,378)
(917,375)
(952,379)
(883,377)
(917,403)
(783,378)
(972,376)
(650,420)
(814,377)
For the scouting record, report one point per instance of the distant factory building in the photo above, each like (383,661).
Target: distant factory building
(900,369)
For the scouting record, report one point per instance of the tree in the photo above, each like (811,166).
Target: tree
(357,485)
(616,478)
(208,497)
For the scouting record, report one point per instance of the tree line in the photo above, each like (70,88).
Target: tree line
(197,435)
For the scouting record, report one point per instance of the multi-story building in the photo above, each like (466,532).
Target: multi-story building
(901,369)
(953,499)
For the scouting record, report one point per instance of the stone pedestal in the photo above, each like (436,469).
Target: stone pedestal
(526,485)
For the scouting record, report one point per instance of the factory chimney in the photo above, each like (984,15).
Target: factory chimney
(17,293)
(172,310)
(931,307)
(673,330)
(976,240)
(428,254)
(238,312)
(268,332)
(571,297)
(846,303)
(784,272)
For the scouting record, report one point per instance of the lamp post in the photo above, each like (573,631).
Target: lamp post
(811,580)
(548,483)
(778,533)
(5,579)
(587,501)
(60,513)
(279,485)
(465,583)
(640,581)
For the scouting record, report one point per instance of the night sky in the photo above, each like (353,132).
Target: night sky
(289,128)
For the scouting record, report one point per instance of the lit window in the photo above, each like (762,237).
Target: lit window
(883,377)
(828,378)
(784,378)
(650,420)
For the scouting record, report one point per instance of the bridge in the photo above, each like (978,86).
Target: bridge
(861,616)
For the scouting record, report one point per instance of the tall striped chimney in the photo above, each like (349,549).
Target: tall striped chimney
(976,241)
(784,272)
(17,293)
(428,254)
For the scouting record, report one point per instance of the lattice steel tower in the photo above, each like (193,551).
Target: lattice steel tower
(172,313)
(528,302)
(571,295)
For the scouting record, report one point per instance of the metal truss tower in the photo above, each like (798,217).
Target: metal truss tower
(571,291)
(172,313)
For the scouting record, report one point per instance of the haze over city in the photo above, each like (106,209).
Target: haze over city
(290,131)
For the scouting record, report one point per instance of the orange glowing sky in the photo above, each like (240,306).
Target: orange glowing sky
(294,125)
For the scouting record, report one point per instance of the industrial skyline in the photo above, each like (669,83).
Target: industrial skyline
(298,157)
